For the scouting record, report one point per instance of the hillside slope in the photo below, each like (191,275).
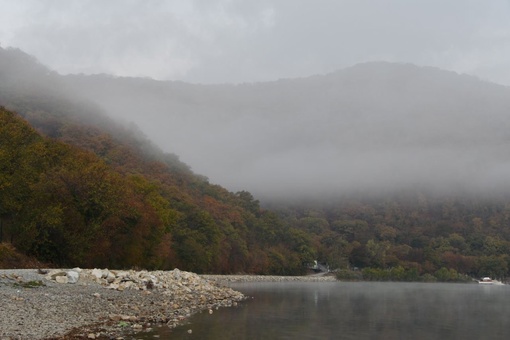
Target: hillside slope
(92,192)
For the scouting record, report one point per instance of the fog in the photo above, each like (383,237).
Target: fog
(368,129)
(374,127)
(305,108)
(236,41)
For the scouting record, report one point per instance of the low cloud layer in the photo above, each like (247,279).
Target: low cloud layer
(370,128)
(225,41)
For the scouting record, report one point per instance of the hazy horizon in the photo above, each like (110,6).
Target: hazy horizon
(233,41)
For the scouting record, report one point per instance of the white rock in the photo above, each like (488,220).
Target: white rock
(129,284)
(105,273)
(53,274)
(97,273)
(61,279)
(110,277)
(73,276)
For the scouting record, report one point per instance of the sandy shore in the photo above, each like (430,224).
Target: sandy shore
(34,307)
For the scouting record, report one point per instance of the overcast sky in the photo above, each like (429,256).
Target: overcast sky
(219,41)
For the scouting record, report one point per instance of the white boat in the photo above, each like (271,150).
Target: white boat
(489,281)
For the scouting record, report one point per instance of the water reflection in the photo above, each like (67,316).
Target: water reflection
(338,310)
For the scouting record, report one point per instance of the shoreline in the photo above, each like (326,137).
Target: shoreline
(109,304)
(226,279)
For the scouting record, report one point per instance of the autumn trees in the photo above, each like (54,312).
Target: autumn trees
(421,234)
(65,205)
(98,201)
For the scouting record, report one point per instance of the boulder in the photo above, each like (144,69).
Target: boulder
(73,276)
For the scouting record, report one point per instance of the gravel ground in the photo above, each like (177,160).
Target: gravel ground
(87,310)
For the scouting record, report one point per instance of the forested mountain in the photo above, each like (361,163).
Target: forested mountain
(380,166)
(78,189)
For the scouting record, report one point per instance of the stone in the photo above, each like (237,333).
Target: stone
(62,279)
(128,284)
(73,276)
(113,286)
(122,274)
(110,277)
(53,274)
(97,273)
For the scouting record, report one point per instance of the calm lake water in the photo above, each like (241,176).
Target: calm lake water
(362,310)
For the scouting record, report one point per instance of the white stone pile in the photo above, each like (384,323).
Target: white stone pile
(64,276)
(131,279)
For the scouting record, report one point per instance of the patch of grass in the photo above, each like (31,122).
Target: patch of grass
(30,284)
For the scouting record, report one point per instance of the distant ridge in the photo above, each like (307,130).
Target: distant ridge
(374,126)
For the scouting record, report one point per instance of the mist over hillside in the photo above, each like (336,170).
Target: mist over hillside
(373,127)
(368,129)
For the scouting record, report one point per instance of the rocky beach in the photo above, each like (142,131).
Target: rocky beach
(111,304)
(102,304)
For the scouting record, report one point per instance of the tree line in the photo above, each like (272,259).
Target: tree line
(420,233)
